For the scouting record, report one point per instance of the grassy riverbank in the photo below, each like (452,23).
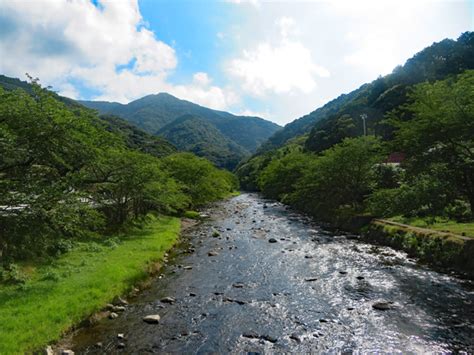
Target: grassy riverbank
(439,224)
(59,295)
(438,248)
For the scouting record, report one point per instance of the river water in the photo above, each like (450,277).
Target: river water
(310,291)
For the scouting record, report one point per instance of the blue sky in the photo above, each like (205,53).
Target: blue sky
(279,60)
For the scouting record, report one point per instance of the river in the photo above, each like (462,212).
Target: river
(310,290)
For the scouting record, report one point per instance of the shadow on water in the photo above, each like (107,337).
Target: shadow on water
(310,290)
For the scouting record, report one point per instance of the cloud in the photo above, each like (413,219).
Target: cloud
(255,3)
(285,67)
(287,26)
(107,48)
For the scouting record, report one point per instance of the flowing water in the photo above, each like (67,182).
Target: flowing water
(310,291)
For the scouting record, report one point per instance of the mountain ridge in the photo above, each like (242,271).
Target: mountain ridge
(155,111)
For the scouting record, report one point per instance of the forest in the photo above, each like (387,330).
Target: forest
(66,174)
(414,164)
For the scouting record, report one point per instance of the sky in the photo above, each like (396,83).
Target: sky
(275,59)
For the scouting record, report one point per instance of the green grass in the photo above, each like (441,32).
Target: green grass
(439,224)
(192,214)
(77,284)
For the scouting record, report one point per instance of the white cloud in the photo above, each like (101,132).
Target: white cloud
(107,48)
(201,79)
(287,26)
(283,68)
(255,3)
(353,40)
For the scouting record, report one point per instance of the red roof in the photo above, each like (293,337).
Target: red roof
(395,157)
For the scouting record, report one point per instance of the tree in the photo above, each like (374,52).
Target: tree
(340,178)
(441,131)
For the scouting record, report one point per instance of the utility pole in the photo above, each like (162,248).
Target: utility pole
(364,117)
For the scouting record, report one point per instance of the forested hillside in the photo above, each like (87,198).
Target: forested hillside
(153,112)
(416,159)
(66,174)
(193,134)
(340,117)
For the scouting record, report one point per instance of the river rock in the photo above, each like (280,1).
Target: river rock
(121,302)
(67,352)
(308,256)
(121,345)
(251,335)
(213,253)
(269,338)
(152,319)
(187,267)
(168,299)
(48,350)
(382,306)
(115,309)
(120,336)
(272,240)
(310,279)
(360,277)
(113,315)
(295,337)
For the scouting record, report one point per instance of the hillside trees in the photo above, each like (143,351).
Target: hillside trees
(438,141)
(65,174)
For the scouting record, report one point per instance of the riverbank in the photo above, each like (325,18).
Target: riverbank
(61,294)
(437,248)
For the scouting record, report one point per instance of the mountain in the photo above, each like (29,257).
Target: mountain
(138,139)
(195,134)
(341,117)
(135,138)
(154,112)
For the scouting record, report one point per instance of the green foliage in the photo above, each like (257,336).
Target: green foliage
(192,214)
(65,175)
(199,179)
(377,98)
(340,178)
(40,308)
(279,176)
(196,135)
(323,185)
(138,139)
(440,132)
(43,149)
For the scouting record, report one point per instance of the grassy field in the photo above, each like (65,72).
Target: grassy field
(58,295)
(439,224)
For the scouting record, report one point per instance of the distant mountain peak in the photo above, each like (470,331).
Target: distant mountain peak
(166,115)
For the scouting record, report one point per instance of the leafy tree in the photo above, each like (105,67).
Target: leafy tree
(201,180)
(441,131)
(278,178)
(128,184)
(340,178)
(43,148)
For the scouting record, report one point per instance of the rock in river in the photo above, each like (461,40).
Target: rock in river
(382,306)
(168,300)
(272,240)
(152,319)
